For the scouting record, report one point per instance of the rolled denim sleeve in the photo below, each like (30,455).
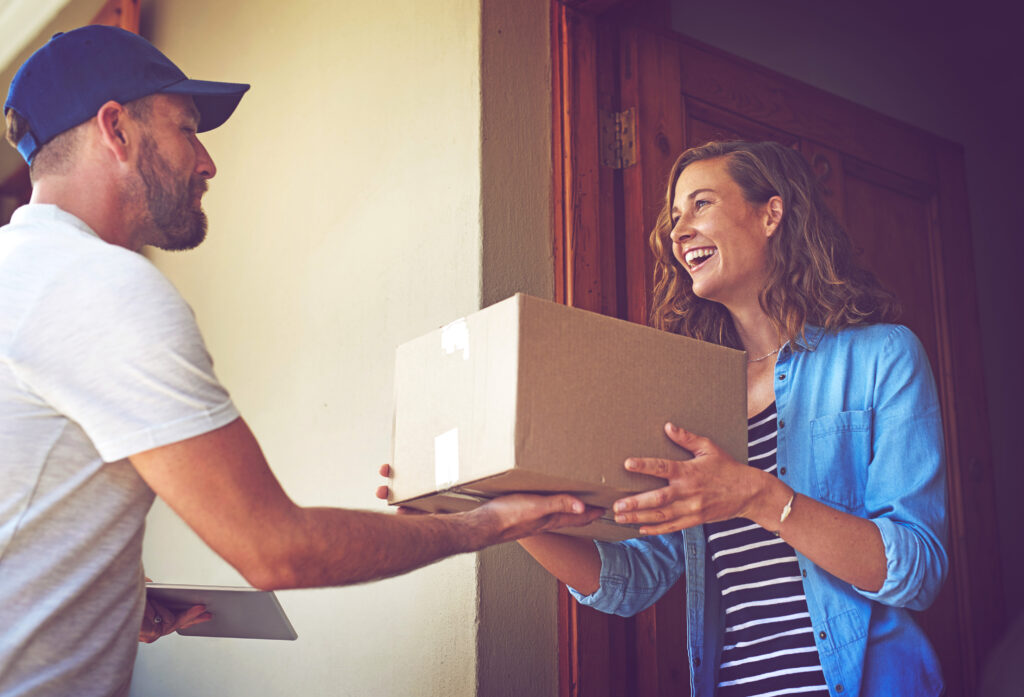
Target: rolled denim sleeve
(905,493)
(635,573)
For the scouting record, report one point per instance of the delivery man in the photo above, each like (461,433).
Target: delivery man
(108,395)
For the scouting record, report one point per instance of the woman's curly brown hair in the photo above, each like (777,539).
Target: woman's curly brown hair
(812,279)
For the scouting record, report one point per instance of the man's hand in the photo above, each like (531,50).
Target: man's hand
(383,491)
(522,515)
(511,517)
(159,620)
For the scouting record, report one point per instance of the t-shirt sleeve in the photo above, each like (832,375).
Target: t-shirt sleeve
(116,349)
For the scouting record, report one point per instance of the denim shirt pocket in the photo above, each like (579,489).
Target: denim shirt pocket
(841,446)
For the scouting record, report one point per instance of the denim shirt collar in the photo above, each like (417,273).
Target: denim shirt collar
(809,339)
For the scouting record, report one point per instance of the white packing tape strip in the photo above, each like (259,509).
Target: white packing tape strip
(455,337)
(446,459)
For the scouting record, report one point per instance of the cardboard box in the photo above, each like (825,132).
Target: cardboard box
(531,396)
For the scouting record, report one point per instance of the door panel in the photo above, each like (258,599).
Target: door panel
(827,164)
(705,123)
(890,232)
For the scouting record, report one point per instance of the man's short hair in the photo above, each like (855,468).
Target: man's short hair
(55,157)
(52,158)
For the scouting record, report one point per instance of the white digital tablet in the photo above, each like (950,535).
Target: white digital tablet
(238,612)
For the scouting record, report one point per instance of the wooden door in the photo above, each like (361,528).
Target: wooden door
(901,195)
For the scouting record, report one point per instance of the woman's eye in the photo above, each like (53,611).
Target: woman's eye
(700,203)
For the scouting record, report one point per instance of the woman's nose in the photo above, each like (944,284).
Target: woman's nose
(679,233)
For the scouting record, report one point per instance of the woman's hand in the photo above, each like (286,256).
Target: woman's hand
(710,487)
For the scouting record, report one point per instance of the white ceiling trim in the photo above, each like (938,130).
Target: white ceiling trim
(21,21)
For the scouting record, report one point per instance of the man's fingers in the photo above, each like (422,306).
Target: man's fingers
(163,617)
(153,622)
(563,503)
(538,505)
(196,614)
(575,520)
(158,621)
(522,515)
(383,491)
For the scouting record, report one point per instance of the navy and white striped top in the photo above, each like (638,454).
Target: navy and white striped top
(769,648)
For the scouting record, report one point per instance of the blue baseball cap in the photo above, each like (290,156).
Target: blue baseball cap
(66,82)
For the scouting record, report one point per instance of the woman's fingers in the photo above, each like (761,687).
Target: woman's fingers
(671,526)
(668,508)
(697,445)
(656,467)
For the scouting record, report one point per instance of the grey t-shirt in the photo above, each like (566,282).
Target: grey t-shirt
(100,359)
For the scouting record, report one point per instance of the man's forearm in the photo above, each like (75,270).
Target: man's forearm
(220,484)
(331,546)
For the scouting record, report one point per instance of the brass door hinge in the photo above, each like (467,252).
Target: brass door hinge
(617,138)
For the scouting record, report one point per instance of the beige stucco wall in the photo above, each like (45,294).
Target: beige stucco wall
(367,192)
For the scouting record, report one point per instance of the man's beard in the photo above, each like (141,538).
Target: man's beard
(173,208)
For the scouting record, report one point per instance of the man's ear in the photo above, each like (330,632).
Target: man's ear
(773,215)
(112,120)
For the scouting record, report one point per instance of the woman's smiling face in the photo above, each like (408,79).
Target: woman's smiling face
(718,237)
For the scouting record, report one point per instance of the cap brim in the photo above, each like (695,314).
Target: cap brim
(216,101)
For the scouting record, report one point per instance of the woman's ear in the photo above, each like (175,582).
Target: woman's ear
(773,215)
(112,121)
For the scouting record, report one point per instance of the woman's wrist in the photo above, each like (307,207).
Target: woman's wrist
(771,502)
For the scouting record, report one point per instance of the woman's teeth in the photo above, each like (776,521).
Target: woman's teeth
(696,257)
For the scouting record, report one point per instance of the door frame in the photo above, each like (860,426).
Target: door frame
(588,238)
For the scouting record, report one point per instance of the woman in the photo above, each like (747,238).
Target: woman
(801,565)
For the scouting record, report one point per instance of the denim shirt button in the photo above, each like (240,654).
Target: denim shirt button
(782,376)
(804,572)
(782,471)
(696,662)
(839,687)
(782,424)
(823,635)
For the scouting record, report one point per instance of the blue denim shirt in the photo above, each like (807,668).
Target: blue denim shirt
(860,430)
